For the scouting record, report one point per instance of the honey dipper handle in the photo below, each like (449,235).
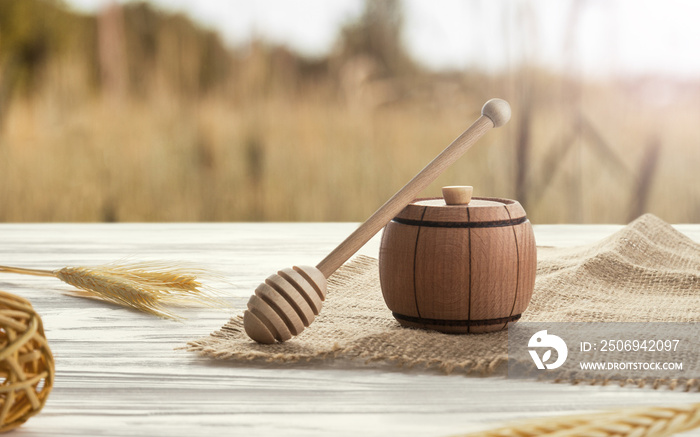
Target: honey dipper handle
(495,113)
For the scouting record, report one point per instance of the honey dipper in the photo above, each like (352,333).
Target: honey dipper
(289,300)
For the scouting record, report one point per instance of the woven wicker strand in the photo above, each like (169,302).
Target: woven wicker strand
(637,422)
(26,362)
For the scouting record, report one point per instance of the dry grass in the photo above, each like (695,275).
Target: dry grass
(138,115)
(285,158)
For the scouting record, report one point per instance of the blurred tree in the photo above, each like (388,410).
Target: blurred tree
(29,32)
(171,48)
(377,34)
(112,52)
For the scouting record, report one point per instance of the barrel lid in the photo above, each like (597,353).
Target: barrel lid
(487,211)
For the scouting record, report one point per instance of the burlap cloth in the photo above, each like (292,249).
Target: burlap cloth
(646,272)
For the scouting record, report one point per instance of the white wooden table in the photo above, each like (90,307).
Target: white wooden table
(118,372)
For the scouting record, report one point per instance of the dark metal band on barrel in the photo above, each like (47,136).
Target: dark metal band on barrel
(492,224)
(441,322)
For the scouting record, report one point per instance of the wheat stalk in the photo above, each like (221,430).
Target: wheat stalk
(637,422)
(145,286)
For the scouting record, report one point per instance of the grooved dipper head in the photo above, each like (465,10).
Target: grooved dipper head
(285,304)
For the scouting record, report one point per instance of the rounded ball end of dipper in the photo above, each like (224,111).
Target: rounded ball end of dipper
(498,110)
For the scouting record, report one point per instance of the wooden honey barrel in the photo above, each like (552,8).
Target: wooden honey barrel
(458,268)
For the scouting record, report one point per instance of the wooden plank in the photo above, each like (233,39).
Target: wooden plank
(119,374)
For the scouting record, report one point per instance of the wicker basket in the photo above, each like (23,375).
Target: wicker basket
(26,362)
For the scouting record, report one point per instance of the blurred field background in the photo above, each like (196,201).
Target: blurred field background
(137,114)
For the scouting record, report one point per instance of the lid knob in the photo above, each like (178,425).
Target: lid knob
(457,195)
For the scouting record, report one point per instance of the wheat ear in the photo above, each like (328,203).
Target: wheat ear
(638,422)
(145,286)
